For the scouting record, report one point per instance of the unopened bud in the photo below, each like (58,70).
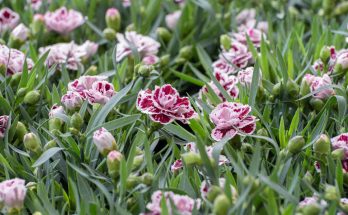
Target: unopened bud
(145,70)
(104,141)
(338,154)
(132,181)
(316,103)
(76,121)
(322,145)
(213,192)
(92,70)
(164,60)
(276,89)
(331,193)
(221,205)
(50,144)
(147,179)
(225,41)
(305,87)
(186,52)
(32,97)
(192,158)
(32,143)
(308,178)
(21,130)
(113,19)
(138,160)
(164,34)
(292,88)
(296,144)
(341,8)
(325,54)
(113,163)
(55,124)
(21,91)
(109,34)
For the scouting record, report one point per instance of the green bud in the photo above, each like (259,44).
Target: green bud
(221,205)
(163,34)
(113,163)
(92,70)
(251,180)
(32,143)
(292,88)
(308,178)
(50,144)
(225,41)
(296,144)
(283,153)
(113,19)
(130,27)
(74,131)
(331,193)
(213,192)
(21,130)
(312,209)
(164,60)
(132,181)
(317,104)
(147,179)
(145,70)
(322,145)
(32,97)
(341,8)
(2,42)
(76,121)
(109,34)
(186,52)
(325,54)
(192,158)
(276,89)
(180,60)
(15,79)
(305,88)
(55,124)
(37,213)
(138,160)
(338,154)
(262,132)
(21,91)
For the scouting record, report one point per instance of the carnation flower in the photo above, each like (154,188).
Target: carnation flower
(177,165)
(13,60)
(8,19)
(150,60)
(312,200)
(316,82)
(255,36)
(144,45)
(100,93)
(246,18)
(184,205)
(63,21)
(172,19)
(72,100)
(70,54)
(104,141)
(342,59)
(21,33)
(3,125)
(318,65)
(164,105)
(341,142)
(36,4)
(126,3)
(231,119)
(12,194)
(228,82)
(84,83)
(245,76)
(56,111)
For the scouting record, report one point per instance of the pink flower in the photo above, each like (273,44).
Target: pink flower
(176,166)
(237,57)
(21,33)
(39,17)
(100,93)
(104,141)
(342,59)
(228,82)
(63,21)
(254,34)
(143,45)
(3,125)
(84,83)
(230,119)
(36,4)
(56,111)
(320,82)
(164,105)
(112,12)
(246,18)
(8,19)
(341,142)
(12,194)
(126,3)
(183,204)
(245,76)
(72,100)
(172,19)
(13,60)
(318,65)
(70,54)
(150,60)
(312,200)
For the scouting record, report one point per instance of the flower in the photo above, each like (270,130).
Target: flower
(176,166)
(182,203)
(56,111)
(12,194)
(228,82)
(318,65)
(230,119)
(113,162)
(8,19)
(3,125)
(63,21)
(143,45)
(70,54)
(13,60)
(150,60)
(164,105)
(255,36)
(72,100)
(237,56)
(36,4)
(126,3)
(317,82)
(21,33)
(312,200)
(172,19)
(104,141)
(341,142)
(246,18)
(113,19)
(245,76)
(100,93)
(84,83)
(342,59)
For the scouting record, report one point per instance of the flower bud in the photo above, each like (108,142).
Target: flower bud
(50,144)
(15,79)
(164,60)
(292,88)
(331,193)
(19,35)
(21,91)
(325,54)
(138,160)
(21,130)
(37,213)
(214,191)
(92,70)
(38,23)
(104,141)
(296,144)
(32,143)
(113,163)
(32,97)
(253,181)
(163,34)
(192,158)
(312,209)
(308,178)
(221,205)
(147,179)
(113,19)
(72,100)
(109,34)
(186,52)
(341,8)
(317,104)
(55,124)
(338,154)
(344,204)
(305,87)
(276,89)
(132,181)
(283,153)
(322,145)
(76,121)
(12,194)
(225,41)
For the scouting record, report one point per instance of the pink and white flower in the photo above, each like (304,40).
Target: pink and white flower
(172,19)
(13,60)
(164,105)
(144,45)
(63,21)
(104,140)
(84,83)
(72,100)
(255,36)
(341,142)
(100,93)
(317,82)
(231,119)
(177,165)
(8,19)
(312,200)
(36,4)
(150,60)
(12,194)
(21,33)
(342,59)
(246,18)
(228,82)
(56,111)
(3,125)
(318,65)
(182,203)
(245,76)
(126,3)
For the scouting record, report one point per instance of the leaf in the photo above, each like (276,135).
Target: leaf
(46,156)
(180,132)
